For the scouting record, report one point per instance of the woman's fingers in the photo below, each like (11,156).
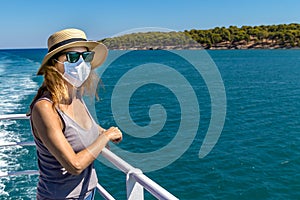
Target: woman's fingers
(114,134)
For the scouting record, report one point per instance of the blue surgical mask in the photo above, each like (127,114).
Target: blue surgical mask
(76,73)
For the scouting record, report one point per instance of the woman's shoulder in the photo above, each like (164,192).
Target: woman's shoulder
(41,95)
(44,112)
(42,106)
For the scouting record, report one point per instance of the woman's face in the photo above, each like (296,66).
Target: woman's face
(62,58)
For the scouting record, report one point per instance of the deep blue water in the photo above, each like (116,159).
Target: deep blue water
(257,155)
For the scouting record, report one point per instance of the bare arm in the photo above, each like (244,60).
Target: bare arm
(48,128)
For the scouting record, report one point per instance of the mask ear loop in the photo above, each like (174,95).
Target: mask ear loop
(58,61)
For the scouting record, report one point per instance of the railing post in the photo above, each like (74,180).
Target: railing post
(135,191)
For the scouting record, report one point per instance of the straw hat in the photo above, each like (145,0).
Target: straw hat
(68,38)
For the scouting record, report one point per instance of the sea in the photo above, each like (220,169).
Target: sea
(215,124)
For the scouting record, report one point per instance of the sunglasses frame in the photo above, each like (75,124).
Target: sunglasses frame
(89,56)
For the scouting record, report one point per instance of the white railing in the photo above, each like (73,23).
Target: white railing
(136,181)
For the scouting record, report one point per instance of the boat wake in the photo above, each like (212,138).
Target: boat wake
(15,85)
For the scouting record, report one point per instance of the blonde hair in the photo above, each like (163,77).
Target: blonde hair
(55,85)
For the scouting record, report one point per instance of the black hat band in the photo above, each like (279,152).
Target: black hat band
(65,42)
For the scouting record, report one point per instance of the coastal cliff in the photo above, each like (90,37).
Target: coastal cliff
(282,36)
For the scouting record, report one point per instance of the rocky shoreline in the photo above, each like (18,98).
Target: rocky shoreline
(266,44)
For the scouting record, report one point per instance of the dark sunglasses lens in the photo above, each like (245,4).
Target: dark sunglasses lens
(73,56)
(88,56)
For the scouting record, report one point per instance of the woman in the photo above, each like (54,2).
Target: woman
(67,138)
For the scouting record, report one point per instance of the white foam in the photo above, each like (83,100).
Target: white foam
(2,190)
(15,87)
(16,83)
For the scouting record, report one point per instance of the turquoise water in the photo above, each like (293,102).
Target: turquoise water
(256,157)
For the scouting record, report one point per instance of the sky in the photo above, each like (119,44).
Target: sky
(29,23)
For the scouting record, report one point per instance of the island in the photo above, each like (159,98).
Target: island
(282,36)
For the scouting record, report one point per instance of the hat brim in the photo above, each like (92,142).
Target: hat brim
(99,57)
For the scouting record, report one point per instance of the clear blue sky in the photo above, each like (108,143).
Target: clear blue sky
(28,23)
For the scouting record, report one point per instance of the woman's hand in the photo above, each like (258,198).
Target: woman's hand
(113,134)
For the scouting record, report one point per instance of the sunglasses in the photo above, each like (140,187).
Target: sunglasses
(73,56)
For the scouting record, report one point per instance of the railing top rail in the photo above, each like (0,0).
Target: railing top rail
(152,187)
(14,116)
(18,173)
(6,144)
(117,161)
